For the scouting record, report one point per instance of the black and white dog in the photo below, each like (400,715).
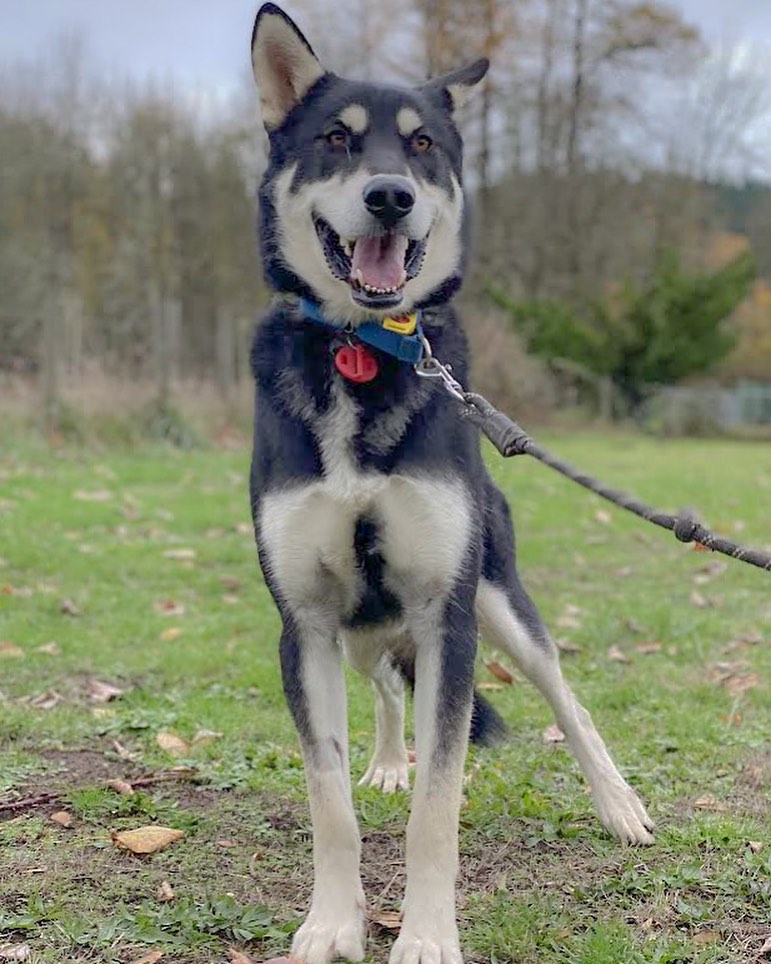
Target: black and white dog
(380,533)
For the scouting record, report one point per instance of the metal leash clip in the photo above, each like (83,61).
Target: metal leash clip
(431,367)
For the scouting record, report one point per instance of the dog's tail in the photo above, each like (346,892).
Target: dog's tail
(487,727)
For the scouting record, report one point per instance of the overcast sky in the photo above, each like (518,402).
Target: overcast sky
(205,43)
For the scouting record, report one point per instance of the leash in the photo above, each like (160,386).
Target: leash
(510,439)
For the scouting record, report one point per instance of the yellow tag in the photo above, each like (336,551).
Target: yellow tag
(406,325)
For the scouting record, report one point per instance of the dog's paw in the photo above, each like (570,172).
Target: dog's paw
(414,949)
(623,814)
(322,939)
(387,775)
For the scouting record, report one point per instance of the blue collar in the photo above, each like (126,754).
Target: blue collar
(406,348)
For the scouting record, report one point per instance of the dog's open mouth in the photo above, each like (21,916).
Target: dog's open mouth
(376,268)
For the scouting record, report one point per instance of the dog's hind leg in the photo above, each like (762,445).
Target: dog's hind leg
(510,621)
(315,689)
(389,767)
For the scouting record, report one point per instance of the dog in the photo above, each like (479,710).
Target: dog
(380,533)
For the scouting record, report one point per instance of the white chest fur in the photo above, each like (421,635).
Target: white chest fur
(423,525)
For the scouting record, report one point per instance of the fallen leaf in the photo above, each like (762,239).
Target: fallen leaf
(488,686)
(168,607)
(390,920)
(171,633)
(568,621)
(624,572)
(150,958)
(500,671)
(204,737)
(230,599)
(710,803)
(122,787)
(10,650)
(165,892)
(96,495)
(701,602)
(567,646)
(231,583)
(766,948)
(15,952)
(68,608)
(755,845)
(227,844)
(244,528)
(63,818)
(171,743)
(602,516)
(706,937)
(180,555)
(147,840)
(553,734)
(238,957)
(50,649)
(617,655)
(99,692)
(648,648)
(46,701)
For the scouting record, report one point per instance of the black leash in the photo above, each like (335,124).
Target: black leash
(510,439)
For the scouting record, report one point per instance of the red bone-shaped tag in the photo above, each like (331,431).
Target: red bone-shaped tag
(356,363)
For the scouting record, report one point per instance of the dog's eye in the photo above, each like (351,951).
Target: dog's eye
(339,139)
(422,143)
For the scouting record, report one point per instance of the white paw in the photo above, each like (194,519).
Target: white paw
(412,948)
(387,775)
(321,939)
(622,813)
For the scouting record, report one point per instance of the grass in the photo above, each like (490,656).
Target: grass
(137,569)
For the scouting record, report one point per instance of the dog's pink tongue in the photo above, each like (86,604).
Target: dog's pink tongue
(380,260)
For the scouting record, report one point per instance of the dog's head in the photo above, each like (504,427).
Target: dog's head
(362,202)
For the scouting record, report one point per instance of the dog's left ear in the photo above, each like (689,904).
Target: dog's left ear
(285,66)
(454,89)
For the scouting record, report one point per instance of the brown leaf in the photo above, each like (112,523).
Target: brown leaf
(68,608)
(648,648)
(706,937)
(231,583)
(390,920)
(169,607)
(553,734)
(180,555)
(147,840)
(766,948)
(63,818)
(165,892)
(567,646)
(171,633)
(15,952)
(244,528)
(710,803)
(149,958)
(500,671)
(227,844)
(46,701)
(238,957)
(171,743)
(488,686)
(755,845)
(617,655)
(10,650)
(96,495)
(99,692)
(122,787)
(701,602)
(602,516)
(568,621)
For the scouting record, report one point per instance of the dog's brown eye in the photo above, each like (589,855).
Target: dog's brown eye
(422,143)
(338,138)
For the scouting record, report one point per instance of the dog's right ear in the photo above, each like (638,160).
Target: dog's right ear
(285,66)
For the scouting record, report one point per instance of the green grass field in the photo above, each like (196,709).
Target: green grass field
(137,569)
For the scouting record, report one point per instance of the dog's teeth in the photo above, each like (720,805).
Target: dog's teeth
(360,278)
(348,248)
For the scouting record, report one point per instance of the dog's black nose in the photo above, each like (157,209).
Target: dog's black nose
(389,198)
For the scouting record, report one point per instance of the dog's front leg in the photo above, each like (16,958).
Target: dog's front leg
(444,667)
(315,690)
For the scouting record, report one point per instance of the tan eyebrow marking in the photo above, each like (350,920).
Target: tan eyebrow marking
(408,121)
(355,118)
